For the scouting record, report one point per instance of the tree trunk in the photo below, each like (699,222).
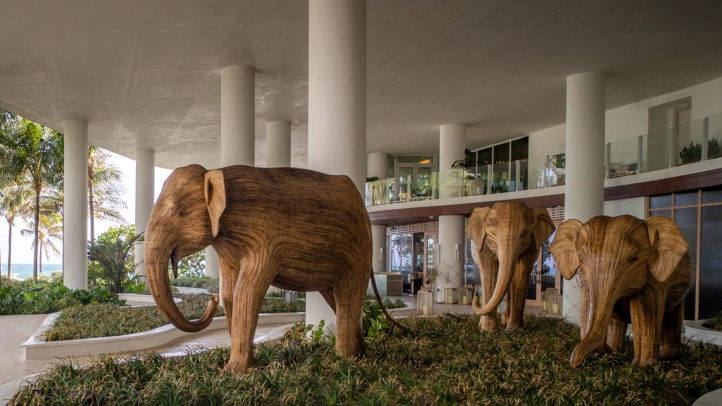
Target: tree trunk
(40,260)
(37,227)
(10,247)
(91,208)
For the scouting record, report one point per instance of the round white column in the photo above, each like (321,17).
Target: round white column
(336,104)
(144,199)
(278,144)
(584,189)
(238,116)
(75,203)
(213,265)
(450,272)
(377,165)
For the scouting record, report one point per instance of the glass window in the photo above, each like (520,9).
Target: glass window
(400,253)
(660,201)
(520,149)
(712,196)
(501,153)
(710,277)
(687,221)
(471,271)
(686,199)
(484,156)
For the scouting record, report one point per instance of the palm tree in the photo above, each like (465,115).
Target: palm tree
(8,119)
(31,150)
(104,189)
(49,231)
(14,197)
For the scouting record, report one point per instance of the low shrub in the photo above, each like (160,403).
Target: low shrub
(715,322)
(202,282)
(105,320)
(48,296)
(436,360)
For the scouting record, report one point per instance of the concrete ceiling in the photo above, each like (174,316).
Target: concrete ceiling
(147,72)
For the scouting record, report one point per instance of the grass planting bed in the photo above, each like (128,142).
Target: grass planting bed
(106,320)
(437,360)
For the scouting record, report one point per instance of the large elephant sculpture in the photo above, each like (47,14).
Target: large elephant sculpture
(508,237)
(631,271)
(294,229)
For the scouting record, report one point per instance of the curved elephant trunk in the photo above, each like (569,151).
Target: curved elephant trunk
(502,285)
(600,312)
(159,284)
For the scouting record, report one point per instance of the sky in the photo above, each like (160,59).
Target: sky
(22,249)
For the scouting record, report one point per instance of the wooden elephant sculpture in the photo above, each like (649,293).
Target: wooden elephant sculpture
(295,229)
(631,271)
(508,237)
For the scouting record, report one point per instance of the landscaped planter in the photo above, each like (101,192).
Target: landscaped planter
(695,331)
(41,350)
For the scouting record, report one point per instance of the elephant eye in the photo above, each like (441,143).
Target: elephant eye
(181,213)
(634,259)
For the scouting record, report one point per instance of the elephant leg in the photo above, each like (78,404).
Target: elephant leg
(647,310)
(253,281)
(349,298)
(671,340)
(517,298)
(328,297)
(616,333)
(229,273)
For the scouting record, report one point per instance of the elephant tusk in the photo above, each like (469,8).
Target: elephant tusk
(475,306)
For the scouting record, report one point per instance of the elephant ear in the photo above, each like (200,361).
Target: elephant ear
(564,247)
(215,191)
(668,246)
(475,228)
(543,226)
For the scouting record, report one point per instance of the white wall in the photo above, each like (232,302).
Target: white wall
(549,141)
(634,207)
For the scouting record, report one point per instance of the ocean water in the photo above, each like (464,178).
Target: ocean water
(24,271)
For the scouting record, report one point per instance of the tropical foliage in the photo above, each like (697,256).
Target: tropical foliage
(14,198)
(202,282)
(192,266)
(29,150)
(436,360)
(48,295)
(105,188)
(50,236)
(112,260)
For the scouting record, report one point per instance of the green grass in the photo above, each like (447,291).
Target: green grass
(437,360)
(104,320)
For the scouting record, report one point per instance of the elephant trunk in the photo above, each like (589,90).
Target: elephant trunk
(502,285)
(600,312)
(159,284)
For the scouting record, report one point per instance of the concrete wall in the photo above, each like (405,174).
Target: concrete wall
(634,207)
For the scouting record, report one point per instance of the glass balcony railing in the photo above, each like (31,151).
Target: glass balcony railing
(481,180)
(691,142)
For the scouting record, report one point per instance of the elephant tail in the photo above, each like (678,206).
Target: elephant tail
(381,303)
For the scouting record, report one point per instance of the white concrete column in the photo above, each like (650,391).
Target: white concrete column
(75,204)
(278,144)
(144,199)
(377,165)
(336,104)
(584,190)
(452,142)
(450,272)
(238,116)
(213,265)
(378,234)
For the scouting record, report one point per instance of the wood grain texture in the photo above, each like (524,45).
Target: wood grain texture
(635,271)
(291,228)
(508,237)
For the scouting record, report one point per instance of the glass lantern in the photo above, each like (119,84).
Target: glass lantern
(554,305)
(466,295)
(425,301)
(450,296)
(544,302)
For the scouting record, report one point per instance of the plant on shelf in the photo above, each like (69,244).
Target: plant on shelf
(468,163)
(111,258)
(713,148)
(560,163)
(372,179)
(691,153)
